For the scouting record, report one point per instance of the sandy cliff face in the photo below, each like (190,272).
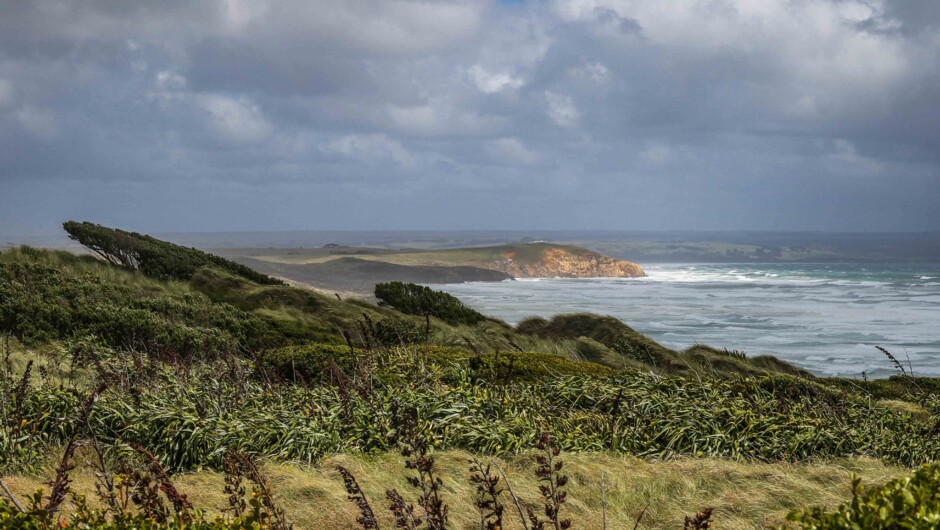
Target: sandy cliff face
(562,263)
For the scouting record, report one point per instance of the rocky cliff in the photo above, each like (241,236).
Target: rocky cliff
(567,263)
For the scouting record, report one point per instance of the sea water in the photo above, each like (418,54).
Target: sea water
(825,318)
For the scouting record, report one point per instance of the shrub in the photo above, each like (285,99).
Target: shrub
(507,366)
(309,363)
(416,299)
(907,502)
(222,286)
(604,329)
(40,303)
(395,331)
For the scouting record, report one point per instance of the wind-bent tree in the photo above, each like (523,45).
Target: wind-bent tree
(151,256)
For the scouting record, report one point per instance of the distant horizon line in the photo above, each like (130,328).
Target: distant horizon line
(515,231)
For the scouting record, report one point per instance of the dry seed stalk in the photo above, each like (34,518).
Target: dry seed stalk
(366,519)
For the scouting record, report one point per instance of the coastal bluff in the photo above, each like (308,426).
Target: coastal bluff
(358,269)
(564,262)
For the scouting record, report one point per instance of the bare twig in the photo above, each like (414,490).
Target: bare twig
(640,517)
(11,496)
(515,499)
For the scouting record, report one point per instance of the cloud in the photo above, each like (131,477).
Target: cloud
(38,122)
(440,118)
(636,111)
(371,147)
(236,120)
(561,109)
(168,81)
(512,151)
(6,92)
(594,72)
(493,82)
(846,153)
(655,154)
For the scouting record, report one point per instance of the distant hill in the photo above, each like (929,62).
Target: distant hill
(357,275)
(357,268)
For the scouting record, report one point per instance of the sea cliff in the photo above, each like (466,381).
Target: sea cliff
(568,262)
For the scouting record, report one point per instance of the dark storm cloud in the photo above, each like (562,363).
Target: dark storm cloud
(236,114)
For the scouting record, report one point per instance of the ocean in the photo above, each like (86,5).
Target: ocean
(825,318)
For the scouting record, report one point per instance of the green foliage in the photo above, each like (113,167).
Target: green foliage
(39,303)
(222,286)
(895,387)
(309,363)
(398,331)
(907,502)
(314,364)
(604,329)
(595,352)
(634,347)
(416,299)
(506,366)
(151,256)
(190,418)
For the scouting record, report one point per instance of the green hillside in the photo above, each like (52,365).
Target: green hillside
(524,253)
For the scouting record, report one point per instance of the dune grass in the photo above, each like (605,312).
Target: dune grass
(744,494)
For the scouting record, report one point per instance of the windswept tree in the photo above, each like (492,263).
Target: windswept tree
(151,256)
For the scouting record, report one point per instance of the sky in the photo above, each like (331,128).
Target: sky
(233,115)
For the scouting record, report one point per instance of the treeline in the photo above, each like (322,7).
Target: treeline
(155,258)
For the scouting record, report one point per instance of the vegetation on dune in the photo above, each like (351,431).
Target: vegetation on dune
(745,495)
(318,363)
(40,302)
(280,314)
(190,415)
(625,343)
(606,330)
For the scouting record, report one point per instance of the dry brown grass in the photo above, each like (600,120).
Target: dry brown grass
(744,494)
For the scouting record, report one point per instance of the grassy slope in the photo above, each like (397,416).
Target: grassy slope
(745,494)
(354,275)
(523,253)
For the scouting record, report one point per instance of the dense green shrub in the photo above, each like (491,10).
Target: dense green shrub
(309,363)
(506,366)
(908,502)
(151,256)
(397,331)
(604,329)
(416,299)
(895,387)
(40,303)
(226,287)
(636,347)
